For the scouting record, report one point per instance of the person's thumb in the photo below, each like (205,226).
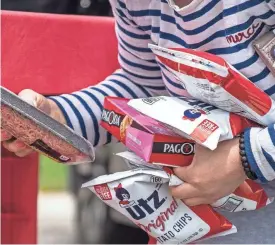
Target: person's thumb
(35,99)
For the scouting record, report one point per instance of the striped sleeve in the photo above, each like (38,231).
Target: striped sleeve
(260,150)
(260,143)
(139,76)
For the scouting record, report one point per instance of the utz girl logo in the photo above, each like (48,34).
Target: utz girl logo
(140,208)
(193,114)
(124,196)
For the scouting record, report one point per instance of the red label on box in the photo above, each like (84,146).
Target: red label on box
(103,191)
(204,130)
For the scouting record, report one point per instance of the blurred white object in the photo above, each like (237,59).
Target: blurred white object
(56,218)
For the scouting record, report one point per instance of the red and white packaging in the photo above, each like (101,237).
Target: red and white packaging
(247,197)
(148,138)
(193,119)
(143,196)
(211,79)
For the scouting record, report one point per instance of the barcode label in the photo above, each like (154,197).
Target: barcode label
(231,204)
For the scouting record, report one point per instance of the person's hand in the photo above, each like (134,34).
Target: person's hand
(212,174)
(42,103)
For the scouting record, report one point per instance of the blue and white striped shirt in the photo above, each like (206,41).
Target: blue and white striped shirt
(222,27)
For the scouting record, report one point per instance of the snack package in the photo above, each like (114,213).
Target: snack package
(41,132)
(149,139)
(191,118)
(211,79)
(143,196)
(247,197)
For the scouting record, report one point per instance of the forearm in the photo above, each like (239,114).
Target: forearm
(260,150)
(82,110)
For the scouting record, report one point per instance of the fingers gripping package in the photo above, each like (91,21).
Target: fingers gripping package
(41,132)
(211,79)
(193,119)
(143,196)
(148,138)
(147,132)
(247,197)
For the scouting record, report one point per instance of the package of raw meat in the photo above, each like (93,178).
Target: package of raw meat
(193,119)
(143,196)
(41,132)
(211,79)
(148,138)
(247,197)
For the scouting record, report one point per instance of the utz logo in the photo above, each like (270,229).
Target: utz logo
(123,196)
(142,207)
(193,114)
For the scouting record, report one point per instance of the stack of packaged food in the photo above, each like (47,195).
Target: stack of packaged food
(161,134)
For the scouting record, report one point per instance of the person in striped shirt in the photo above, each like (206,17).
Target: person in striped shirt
(225,28)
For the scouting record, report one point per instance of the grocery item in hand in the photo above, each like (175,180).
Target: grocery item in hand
(211,79)
(41,132)
(247,197)
(143,196)
(148,138)
(193,119)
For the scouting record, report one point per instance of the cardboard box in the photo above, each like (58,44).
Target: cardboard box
(148,138)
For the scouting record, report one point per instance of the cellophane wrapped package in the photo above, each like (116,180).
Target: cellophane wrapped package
(41,132)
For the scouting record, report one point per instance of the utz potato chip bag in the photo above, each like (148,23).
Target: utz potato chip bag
(143,196)
(211,79)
